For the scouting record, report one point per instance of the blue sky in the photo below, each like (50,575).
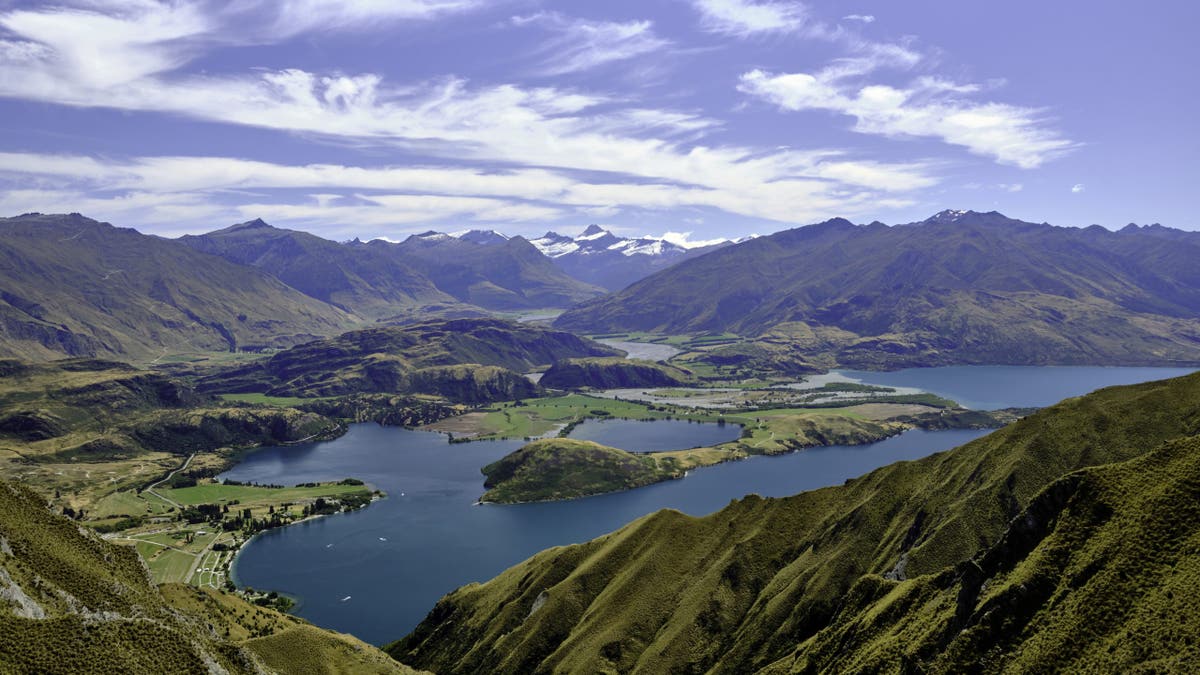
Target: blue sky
(717,118)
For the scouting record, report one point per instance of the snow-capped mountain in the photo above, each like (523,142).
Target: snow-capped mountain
(597,240)
(485,237)
(600,257)
(596,256)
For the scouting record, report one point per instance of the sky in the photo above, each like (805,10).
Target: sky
(698,118)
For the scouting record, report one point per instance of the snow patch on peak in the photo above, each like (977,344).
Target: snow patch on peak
(485,237)
(554,246)
(432,235)
(684,240)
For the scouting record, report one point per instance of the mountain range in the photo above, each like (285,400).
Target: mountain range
(959,287)
(70,285)
(600,257)
(73,286)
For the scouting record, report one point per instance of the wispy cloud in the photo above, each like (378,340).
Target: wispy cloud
(560,150)
(580,44)
(133,66)
(62,48)
(793,188)
(862,18)
(927,107)
(747,17)
(298,16)
(1077,188)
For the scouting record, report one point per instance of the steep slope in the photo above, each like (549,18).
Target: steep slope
(602,258)
(500,274)
(800,581)
(960,287)
(467,360)
(1096,575)
(358,279)
(73,603)
(70,285)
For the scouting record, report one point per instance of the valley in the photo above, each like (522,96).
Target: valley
(428,528)
(697,337)
(220,469)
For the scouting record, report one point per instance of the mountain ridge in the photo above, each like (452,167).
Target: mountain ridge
(71,285)
(959,287)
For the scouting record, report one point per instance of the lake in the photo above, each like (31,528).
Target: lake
(994,387)
(395,559)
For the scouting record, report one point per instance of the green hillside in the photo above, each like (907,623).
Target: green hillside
(70,285)
(613,373)
(958,288)
(428,358)
(561,468)
(73,603)
(95,430)
(1002,537)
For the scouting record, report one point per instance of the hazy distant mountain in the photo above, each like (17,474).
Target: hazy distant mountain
(600,257)
(430,274)
(70,285)
(959,287)
(358,279)
(486,269)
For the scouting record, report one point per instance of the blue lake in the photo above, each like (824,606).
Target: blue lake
(395,559)
(995,387)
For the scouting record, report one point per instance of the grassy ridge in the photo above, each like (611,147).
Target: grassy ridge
(612,373)
(741,589)
(1097,574)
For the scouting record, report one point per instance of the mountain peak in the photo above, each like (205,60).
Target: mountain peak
(251,224)
(948,216)
(484,237)
(593,230)
(968,216)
